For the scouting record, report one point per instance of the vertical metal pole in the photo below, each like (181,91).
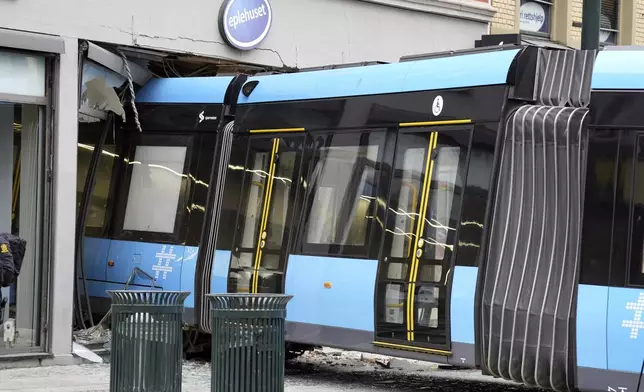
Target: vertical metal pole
(590,25)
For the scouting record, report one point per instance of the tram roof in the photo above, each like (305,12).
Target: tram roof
(204,90)
(466,70)
(619,68)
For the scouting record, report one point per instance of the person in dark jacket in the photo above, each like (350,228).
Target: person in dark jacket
(12,252)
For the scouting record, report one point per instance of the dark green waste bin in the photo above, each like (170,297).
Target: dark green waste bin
(147,341)
(248,348)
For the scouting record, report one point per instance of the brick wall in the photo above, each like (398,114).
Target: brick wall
(639,22)
(506,15)
(576,11)
(505,19)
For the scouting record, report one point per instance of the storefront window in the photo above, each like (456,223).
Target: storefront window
(22,197)
(101,79)
(535,17)
(21,214)
(22,74)
(609,22)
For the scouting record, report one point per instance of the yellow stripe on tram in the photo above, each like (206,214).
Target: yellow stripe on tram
(277,130)
(428,190)
(413,348)
(268,208)
(430,123)
(410,286)
(429,166)
(258,253)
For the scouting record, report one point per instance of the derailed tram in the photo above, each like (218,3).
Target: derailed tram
(479,209)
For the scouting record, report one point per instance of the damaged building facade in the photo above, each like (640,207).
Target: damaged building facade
(63,65)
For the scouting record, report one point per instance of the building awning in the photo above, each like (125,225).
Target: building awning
(102,71)
(114,62)
(34,42)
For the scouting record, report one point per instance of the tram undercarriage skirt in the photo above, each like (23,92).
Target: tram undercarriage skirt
(528,312)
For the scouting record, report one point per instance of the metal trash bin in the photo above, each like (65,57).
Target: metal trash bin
(147,341)
(248,347)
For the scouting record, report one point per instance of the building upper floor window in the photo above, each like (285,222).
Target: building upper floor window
(609,22)
(535,17)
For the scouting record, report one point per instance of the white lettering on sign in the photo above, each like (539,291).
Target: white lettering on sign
(619,389)
(203,118)
(637,323)
(163,262)
(532,16)
(246,15)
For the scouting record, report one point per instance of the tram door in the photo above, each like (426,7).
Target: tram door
(264,214)
(416,260)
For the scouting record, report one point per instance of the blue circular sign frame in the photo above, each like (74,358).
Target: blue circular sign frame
(244,24)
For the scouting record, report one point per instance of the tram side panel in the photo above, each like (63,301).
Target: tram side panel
(334,296)
(332,273)
(345,293)
(157,209)
(610,341)
(593,290)
(468,245)
(333,301)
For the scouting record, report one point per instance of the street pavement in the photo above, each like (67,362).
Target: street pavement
(316,372)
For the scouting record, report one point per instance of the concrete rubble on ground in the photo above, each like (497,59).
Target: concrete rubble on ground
(325,370)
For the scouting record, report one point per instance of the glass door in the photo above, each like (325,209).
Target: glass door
(423,210)
(263,221)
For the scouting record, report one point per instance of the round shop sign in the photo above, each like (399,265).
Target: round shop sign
(533,16)
(245,23)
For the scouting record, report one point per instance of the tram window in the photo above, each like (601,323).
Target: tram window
(342,196)
(406,205)
(88,136)
(440,222)
(427,300)
(98,202)
(598,207)
(636,273)
(155,188)
(232,193)
(395,296)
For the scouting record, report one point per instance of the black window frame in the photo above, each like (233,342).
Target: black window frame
(370,248)
(182,215)
(239,145)
(90,137)
(603,145)
(634,277)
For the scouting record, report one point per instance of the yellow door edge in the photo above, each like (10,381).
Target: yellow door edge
(429,123)
(265,208)
(422,212)
(277,130)
(412,348)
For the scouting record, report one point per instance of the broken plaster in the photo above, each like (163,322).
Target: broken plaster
(134,36)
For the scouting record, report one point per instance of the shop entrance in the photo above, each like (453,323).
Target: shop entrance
(23,210)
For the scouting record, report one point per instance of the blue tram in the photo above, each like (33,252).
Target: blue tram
(429,209)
